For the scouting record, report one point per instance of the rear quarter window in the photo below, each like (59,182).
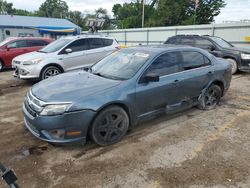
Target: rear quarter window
(95,43)
(193,59)
(107,42)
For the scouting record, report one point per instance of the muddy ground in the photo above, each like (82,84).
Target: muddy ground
(190,149)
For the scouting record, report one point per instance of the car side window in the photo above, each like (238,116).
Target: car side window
(18,44)
(193,59)
(203,43)
(107,42)
(171,41)
(31,43)
(166,64)
(187,41)
(95,43)
(79,45)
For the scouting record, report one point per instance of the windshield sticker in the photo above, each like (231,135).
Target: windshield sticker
(138,54)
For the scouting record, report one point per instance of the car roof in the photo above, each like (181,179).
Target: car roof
(28,38)
(156,49)
(87,36)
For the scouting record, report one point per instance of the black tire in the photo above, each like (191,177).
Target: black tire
(1,66)
(50,71)
(233,64)
(109,126)
(211,98)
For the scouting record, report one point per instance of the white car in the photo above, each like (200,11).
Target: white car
(63,55)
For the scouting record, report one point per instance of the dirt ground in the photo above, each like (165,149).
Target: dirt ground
(190,149)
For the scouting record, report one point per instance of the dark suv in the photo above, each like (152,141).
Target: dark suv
(238,58)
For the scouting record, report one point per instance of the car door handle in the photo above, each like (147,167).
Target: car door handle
(210,73)
(175,82)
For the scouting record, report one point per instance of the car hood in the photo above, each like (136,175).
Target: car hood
(32,56)
(244,50)
(69,87)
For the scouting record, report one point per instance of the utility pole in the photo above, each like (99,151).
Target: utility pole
(143,6)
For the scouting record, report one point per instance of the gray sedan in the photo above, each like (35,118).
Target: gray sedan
(122,90)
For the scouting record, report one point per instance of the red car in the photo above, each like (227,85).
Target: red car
(12,47)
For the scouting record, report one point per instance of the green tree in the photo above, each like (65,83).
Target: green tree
(166,12)
(54,9)
(207,10)
(5,7)
(77,18)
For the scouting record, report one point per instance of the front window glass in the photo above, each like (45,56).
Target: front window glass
(168,63)
(55,46)
(222,43)
(121,65)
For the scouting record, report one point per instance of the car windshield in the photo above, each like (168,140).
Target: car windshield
(222,43)
(55,46)
(121,65)
(4,42)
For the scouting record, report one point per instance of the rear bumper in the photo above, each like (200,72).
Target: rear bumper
(42,127)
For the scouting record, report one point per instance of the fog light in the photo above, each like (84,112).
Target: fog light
(57,134)
(23,72)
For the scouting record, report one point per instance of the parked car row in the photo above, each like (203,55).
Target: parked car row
(114,89)
(14,46)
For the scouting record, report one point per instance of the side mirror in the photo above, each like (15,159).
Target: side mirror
(211,48)
(151,77)
(68,50)
(8,48)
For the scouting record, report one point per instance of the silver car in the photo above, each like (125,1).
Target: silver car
(63,55)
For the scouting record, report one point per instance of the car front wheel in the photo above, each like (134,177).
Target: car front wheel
(110,125)
(233,64)
(211,98)
(49,72)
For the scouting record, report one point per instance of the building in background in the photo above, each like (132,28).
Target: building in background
(19,26)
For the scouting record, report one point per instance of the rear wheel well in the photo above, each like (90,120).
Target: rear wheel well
(220,84)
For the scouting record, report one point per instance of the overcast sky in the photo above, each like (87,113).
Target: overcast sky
(235,9)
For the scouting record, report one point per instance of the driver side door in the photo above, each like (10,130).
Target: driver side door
(77,58)
(154,97)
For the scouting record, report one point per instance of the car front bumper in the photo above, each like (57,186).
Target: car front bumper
(42,127)
(27,71)
(244,65)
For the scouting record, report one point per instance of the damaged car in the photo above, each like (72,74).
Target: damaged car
(123,89)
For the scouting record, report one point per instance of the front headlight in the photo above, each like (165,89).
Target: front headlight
(31,62)
(54,109)
(245,56)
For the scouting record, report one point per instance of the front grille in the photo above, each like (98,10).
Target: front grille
(31,127)
(29,109)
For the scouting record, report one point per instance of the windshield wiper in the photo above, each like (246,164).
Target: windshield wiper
(107,76)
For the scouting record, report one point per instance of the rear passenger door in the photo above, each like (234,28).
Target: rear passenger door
(196,74)
(97,50)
